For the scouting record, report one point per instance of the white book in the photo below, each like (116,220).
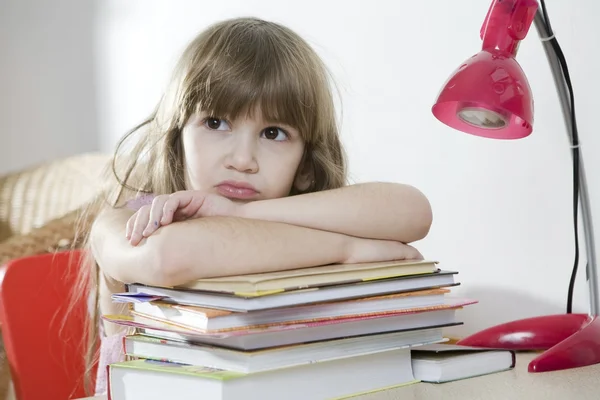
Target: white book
(141,346)
(438,363)
(150,380)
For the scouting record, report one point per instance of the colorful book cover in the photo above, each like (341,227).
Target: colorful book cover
(140,321)
(209,313)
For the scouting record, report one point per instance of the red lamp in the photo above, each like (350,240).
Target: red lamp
(489,96)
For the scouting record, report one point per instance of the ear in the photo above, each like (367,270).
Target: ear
(304,177)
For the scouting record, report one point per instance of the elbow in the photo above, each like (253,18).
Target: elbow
(416,213)
(422,215)
(164,265)
(158,260)
(423,222)
(146,263)
(162,274)
(175,258)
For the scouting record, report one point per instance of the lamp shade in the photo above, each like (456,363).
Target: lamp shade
(488,95)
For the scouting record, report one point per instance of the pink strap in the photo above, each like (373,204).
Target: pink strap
(111,351)
(140,201)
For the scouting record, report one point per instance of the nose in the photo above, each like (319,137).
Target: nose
(242,155)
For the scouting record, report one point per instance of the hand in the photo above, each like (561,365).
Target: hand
(373,250)
(179,206)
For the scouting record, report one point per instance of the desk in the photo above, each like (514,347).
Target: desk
(576,384)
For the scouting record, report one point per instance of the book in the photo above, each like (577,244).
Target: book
(137,293)
(277,335)
(302,278)
(157,380)
(148,347)
(438,363)
(213,319)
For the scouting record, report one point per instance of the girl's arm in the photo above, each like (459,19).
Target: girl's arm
(220,246)
(375,210)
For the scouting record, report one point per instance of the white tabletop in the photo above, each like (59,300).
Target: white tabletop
(575,384)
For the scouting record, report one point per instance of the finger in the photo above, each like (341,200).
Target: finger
(173,206)
(156,213)
(182,214)
(129,226)
(141,220)
(191,208)
(169,209)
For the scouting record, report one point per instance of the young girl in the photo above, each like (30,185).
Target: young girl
(243,172)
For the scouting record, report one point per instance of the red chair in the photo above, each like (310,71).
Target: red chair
(43,346)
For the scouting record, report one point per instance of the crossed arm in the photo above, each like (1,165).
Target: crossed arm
(376,210)
(359,223)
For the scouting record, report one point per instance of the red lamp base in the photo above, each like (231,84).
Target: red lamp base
(570,340)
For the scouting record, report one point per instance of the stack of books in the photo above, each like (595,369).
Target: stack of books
(312,333)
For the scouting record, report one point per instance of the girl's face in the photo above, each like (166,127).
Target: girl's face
(244,160)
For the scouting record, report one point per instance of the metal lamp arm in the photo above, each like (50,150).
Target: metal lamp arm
(561,88)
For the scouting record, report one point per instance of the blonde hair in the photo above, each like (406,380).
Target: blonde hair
(234,67)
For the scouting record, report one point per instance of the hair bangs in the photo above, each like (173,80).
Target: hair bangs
(258,76)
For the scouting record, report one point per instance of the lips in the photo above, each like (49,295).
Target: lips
(237,190)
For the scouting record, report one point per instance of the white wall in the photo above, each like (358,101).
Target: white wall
(47,98)
(502,209)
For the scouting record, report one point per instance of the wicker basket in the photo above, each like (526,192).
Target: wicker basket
(35,196)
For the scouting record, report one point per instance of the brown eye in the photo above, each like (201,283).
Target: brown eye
(216,124)
(274,133)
